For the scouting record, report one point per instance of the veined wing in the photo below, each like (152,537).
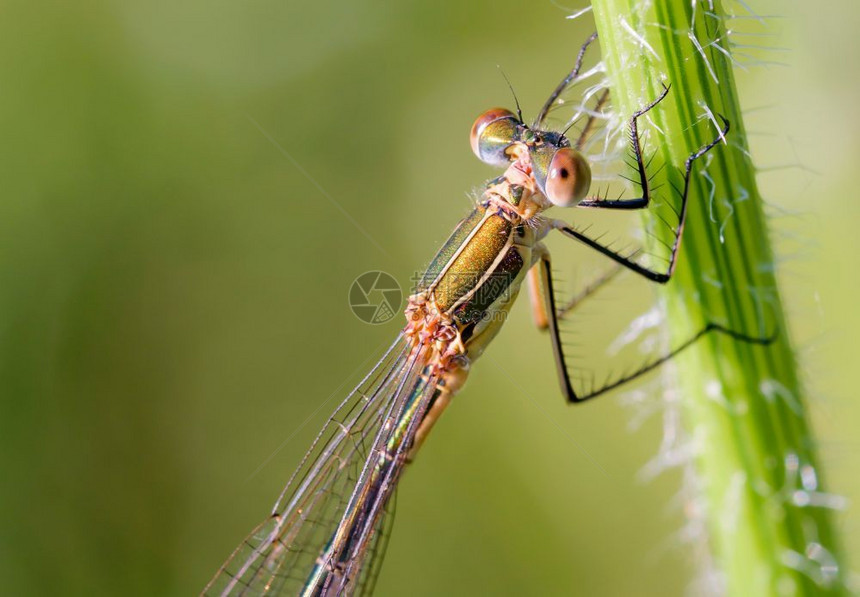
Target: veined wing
(376,552)
(325,527)
(353,568)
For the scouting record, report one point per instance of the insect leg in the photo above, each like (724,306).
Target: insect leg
(588,128)
(660,277)
(539,305)
(565,82)
(636,145)
(545,274)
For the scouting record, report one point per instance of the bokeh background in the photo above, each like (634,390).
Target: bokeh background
(173,286)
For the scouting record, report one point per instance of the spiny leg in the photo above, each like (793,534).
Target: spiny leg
(560,358)
(545,273)
(565,82)
(589,124)
(639,202)
(588,291)
(627,261)
(538,304)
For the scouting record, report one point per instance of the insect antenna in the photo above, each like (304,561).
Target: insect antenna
(514,93)
(570,126)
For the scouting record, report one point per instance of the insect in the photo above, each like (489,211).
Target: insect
(327,532)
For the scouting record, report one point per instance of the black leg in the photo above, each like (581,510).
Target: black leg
(588,291)
(589,124)
(626,261)
(555,336)
(710,327)
(565,82)
(639,202)
(539,312)
(560,359)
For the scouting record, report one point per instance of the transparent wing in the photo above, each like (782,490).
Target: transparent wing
(362,553)
(376,552)
(340,472)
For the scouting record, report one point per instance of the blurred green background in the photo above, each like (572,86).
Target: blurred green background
(173,287)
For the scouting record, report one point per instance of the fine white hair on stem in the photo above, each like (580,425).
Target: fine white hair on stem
(643,43)
(579,13)
(691,34)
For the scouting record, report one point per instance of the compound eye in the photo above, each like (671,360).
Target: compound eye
(492,134)
(568,178)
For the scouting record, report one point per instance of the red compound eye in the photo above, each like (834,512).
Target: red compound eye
(568,178)
(493,132)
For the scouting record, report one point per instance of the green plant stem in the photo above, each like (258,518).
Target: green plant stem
(761,492)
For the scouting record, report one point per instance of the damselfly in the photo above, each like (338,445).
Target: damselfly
(326,534)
